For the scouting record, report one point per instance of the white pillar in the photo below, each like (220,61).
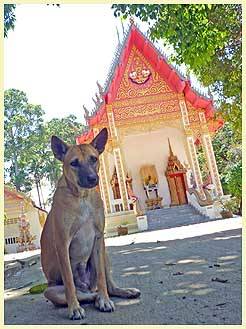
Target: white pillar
(118,161)
(195,165)
(104,180)
(191,146)
(212,163)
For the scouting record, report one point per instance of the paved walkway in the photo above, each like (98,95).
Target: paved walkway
(187,275)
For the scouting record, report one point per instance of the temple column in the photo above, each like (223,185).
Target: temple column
(104,180)
(195,165)
(118,159)
(191,147)
(209,152)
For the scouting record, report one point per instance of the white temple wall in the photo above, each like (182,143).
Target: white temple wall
(152,148)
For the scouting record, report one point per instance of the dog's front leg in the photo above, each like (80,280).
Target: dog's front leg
(103,303)
(75,312)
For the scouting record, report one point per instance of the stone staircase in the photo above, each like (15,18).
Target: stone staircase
(173,217)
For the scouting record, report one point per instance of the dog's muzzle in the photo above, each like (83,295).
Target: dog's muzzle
(89,181)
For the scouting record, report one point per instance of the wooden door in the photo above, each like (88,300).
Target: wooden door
(180,187)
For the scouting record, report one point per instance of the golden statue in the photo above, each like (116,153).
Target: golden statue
(115,185)
(136,205)
(149,178)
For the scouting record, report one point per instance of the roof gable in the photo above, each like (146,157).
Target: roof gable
(140,78)
(158,61)
(136,43)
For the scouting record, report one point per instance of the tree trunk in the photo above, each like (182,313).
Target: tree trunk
(39,199)
(41,192)
(16,169)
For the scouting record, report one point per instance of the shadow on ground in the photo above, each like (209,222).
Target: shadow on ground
(189,281)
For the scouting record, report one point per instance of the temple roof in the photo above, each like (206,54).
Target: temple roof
(170,73)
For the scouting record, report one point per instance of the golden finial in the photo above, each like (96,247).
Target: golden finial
(131,20)
(170,149)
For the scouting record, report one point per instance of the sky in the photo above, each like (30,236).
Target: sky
(56,55)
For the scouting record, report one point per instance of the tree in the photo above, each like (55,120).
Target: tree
(9,18)
(228,152)
(21,122)
(208,39)
(28,156)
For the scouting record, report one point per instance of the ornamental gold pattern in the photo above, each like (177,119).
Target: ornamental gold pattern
(144,100)
(133,113)
(154,85)
(184,113)
(111,123)
(202,117)
(195,115)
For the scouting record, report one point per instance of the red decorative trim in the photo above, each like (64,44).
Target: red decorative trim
(85,137)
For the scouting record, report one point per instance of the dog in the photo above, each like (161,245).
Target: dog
(73,255)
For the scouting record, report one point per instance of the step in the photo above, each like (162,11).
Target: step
(174,217)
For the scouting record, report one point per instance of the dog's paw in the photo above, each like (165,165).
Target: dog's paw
(76,312)
(104,304)
(132,293)
(125,292)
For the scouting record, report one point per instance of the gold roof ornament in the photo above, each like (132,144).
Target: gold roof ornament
(173,164)
(170,148)
(131,20)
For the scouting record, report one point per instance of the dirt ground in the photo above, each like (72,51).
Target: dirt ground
(185,281)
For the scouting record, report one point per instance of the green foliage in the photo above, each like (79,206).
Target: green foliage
(233,179)
(230,205)
(28,156)
(9,18)
(208,39)
(228,153)
(21,122)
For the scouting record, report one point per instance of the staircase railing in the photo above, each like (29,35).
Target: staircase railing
(211,211)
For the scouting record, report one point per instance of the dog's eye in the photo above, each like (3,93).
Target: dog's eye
(93,159)
(75,163)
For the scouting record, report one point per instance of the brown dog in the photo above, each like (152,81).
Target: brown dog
(72,243)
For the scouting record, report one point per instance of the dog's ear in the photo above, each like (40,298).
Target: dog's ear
(100,140)
(58,147)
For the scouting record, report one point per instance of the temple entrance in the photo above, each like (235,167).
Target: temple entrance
(178,189)
(176,178)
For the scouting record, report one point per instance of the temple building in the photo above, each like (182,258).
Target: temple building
(23,222)
(155,120)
